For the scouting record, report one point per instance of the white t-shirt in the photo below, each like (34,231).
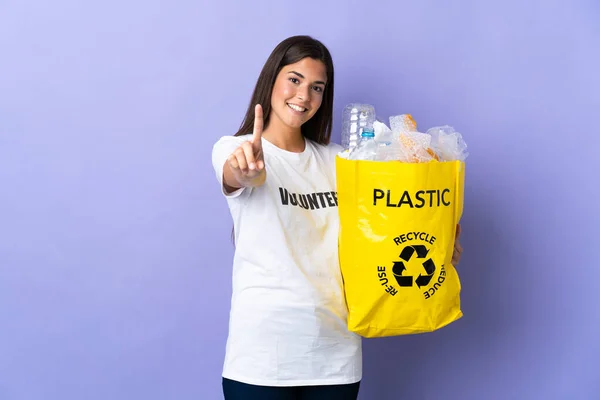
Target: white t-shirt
(288,312)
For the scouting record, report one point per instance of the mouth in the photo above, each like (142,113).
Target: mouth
(296,108)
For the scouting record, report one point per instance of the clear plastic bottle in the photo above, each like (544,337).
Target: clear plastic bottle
(356,117)
(367,147)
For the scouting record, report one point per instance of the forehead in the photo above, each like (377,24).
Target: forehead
(311,69)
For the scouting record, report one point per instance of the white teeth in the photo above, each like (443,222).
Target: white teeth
(296,108)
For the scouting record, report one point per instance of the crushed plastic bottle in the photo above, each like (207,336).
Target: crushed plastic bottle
(448,143)
(385,141)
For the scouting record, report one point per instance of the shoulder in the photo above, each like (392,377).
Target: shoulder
(329,150)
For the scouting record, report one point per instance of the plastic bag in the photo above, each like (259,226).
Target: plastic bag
(397,229)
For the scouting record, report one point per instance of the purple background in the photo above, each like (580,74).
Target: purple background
(115,252)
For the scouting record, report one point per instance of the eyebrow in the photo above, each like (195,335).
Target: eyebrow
(302,76)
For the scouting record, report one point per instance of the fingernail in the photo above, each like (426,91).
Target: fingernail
(251,165)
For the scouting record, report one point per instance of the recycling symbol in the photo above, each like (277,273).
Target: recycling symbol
(407,254)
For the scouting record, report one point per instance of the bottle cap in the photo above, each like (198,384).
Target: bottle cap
(367,133)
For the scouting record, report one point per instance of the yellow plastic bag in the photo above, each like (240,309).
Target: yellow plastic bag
(398,224)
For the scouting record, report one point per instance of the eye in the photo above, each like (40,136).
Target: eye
(294,80)
(318,89)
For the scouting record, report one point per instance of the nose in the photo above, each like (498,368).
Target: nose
(303,93)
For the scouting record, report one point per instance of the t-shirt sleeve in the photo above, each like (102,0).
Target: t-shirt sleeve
(221,150)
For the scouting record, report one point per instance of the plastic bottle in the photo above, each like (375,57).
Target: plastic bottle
(356,117)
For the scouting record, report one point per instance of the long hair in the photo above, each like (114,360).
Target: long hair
(290,51)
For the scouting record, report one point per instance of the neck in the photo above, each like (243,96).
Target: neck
(284,137)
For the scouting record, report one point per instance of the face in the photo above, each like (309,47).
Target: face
(298,92)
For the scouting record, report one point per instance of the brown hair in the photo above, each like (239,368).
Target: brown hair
(290,51)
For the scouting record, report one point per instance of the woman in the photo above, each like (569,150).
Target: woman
(288,337)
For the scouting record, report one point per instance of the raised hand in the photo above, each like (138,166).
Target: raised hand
(247,161)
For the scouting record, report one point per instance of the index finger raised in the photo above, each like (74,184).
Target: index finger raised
(258,127)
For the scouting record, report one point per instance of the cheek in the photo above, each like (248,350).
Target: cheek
(282,92)
(317,100)
(286,93)
(316,103)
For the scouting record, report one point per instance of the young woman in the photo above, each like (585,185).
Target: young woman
(288,337)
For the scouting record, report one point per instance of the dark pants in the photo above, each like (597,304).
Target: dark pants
(234,390)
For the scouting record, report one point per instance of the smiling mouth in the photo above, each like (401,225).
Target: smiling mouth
(296,108)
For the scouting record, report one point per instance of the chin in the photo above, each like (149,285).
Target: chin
(295,124)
